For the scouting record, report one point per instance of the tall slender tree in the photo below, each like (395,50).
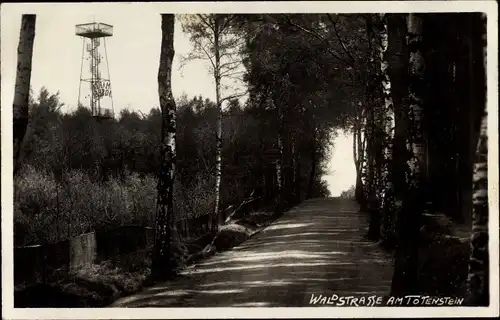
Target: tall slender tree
(358,145)
(478,276)
(278,100)
(214,40)
(397,57)
(164,263)
(405,278)
(389,128)
(364,168)
(20,110)
(374,115)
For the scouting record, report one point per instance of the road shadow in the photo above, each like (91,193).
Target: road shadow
(315,248)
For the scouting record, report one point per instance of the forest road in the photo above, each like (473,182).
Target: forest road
(315,248)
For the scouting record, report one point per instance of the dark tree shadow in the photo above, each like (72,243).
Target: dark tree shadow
(315,248)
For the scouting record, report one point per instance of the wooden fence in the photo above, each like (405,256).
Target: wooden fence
(36,263)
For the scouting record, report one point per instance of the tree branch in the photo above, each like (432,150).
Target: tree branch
(234,75)
(206,22)
(316,35)
(229,71)
(191,57)
(209,57)
(230,64)
(226,23)
(334,23)
(234,96)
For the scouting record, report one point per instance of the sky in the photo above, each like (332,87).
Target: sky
(133,56)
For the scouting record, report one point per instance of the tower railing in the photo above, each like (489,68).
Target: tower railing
(95,29)
(99,87)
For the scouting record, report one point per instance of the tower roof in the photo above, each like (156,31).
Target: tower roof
(94,30)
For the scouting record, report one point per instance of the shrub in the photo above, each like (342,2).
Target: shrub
(443,266)
(349,193)
(195,200)
(48,210)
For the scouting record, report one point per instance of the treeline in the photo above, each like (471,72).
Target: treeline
(79,174)
(421,147)
(412,89)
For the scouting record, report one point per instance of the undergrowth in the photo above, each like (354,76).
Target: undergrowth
(48,210)
(101,284)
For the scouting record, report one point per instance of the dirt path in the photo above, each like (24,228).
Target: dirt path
(315,248)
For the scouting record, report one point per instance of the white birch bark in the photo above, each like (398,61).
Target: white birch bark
(479,273)
(218,152)
(20,108)
(164,257)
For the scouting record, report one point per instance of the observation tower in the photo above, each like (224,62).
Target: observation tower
(95,85)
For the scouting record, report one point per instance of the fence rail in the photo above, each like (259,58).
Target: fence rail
(38,262)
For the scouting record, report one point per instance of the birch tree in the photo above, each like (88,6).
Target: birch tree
(478,273)
(20,111)
(358,147)
(389,129)
(395,55)
(164,263)
(214,40)
(478,276)
(374,115)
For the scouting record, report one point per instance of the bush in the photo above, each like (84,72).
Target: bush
(349,193)
(90,286)
(444,266)
(443,258)
(195,200)
(47,210)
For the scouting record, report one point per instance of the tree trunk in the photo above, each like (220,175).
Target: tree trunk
(470,84)
(361,142)
(297,174)
(357,164)
(164,264)
(261,177)
(478,276)
(314,161)
(374,226)
(461,77)
(398,72)
(356,154)
(389,128)
(405,278)
(373,136)
(364,164)
(279,160)
(20,108)
(355,147)
(218,152)
(288,181)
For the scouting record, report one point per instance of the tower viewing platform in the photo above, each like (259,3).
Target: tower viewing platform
(95,85)
(94,30)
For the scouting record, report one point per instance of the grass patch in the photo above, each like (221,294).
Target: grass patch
(91,286)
